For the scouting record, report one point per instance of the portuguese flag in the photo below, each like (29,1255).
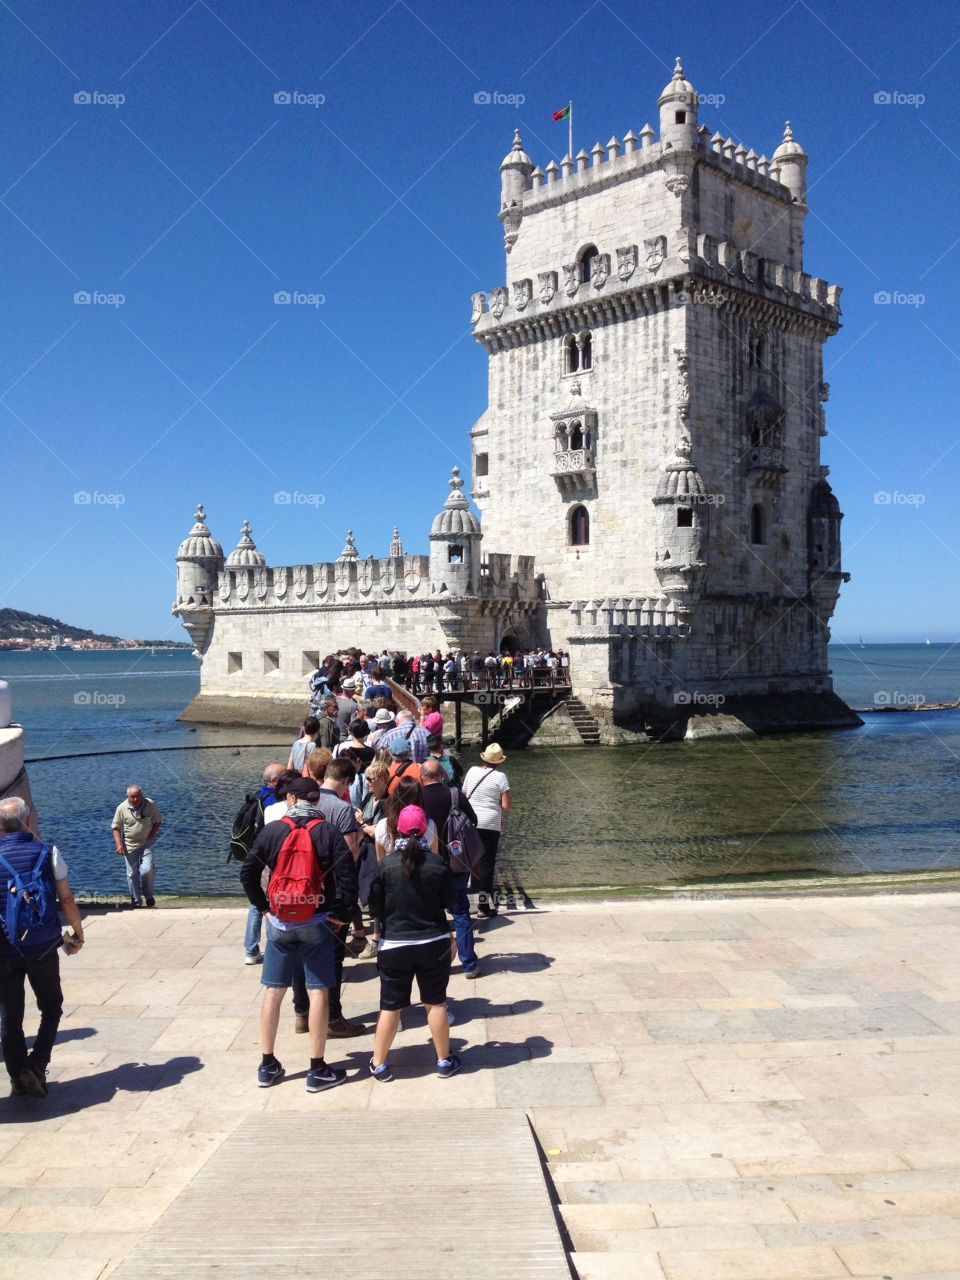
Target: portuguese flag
(563,114)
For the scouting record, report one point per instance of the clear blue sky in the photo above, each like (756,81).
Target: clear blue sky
(199,197)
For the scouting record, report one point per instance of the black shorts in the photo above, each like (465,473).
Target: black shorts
(428,962)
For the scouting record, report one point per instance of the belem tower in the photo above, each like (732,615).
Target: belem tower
(648,470)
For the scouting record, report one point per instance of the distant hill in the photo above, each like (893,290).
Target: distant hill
(15,624)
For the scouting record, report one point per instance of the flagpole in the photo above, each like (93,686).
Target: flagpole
(570,153)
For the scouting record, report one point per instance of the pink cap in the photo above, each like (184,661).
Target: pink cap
(412,821)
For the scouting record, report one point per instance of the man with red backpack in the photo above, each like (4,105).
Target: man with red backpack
(312,891)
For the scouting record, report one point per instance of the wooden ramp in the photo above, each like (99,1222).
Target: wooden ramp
(409,1195)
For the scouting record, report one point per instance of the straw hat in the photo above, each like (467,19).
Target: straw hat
(493,754)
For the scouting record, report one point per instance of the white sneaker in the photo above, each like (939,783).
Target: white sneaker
(257,959)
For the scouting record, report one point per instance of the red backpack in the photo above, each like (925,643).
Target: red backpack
(296,886)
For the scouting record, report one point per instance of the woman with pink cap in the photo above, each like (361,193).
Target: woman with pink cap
(411,897)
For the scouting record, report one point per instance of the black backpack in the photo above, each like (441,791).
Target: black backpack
(247,825)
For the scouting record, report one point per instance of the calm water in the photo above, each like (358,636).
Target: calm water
(882,798)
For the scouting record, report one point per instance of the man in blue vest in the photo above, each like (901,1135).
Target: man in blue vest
(33,955)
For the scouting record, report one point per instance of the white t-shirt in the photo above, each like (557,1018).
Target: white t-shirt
(386,841)
(57,864)
(483,787)
(274,812)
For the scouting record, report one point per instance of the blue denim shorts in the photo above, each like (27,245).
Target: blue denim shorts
(312,944)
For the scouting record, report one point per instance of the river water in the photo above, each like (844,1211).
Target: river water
(885,797)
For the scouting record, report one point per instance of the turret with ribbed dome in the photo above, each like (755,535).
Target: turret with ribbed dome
(245,554)
(515,175)
(790,160)
(679,106)
(455,544)
(681,527)
(199,561)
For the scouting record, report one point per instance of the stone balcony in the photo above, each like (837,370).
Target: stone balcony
(574,469)
(765,464)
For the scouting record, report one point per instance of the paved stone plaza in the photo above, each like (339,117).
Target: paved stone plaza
(724,1090)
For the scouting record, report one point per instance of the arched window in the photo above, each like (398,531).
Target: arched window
(561,438)
(586,351)
(571,355)
(587,259)
(579,527)
(576,435)
(455,555)
(757,525)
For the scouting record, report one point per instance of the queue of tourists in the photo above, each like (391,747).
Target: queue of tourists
(455,671)
(369,842)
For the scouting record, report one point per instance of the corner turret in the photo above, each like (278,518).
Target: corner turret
(515,178)
(791,160)
(679,106)
(245,554)
(199,561)
(455,545)
(681,528)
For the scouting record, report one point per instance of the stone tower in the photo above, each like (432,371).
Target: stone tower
(655,416)
(455,545)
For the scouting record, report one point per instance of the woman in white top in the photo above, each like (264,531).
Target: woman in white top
(488,790)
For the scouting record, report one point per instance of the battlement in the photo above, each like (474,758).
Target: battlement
(352,581)
(651,616)
(635,156)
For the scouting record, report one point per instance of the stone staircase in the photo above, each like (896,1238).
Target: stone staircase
(584,723)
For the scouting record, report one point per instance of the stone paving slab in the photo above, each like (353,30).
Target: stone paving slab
(723,1090)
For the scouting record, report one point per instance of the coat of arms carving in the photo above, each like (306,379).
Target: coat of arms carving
(656,252)
(626,261)
(571,278)
(522,293)
(259,583)
(548,286)
(498,302)
(600,270)
(280,583)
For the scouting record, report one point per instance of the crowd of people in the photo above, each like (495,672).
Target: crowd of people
(369,842)
(437,672)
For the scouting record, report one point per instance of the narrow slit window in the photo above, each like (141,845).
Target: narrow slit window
(757,525)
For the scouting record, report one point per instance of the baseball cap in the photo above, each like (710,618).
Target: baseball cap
(412,821)
(304,789)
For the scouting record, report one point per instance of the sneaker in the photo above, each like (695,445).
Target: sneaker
(369,952)
(472,973)
(341,1029)
(301,1024)
(34,1082)
(324,1078)
(267,1076)
(257,959)
(382,1073)
(448,1066)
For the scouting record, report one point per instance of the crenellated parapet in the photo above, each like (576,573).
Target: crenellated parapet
(651,616)
(348,580)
